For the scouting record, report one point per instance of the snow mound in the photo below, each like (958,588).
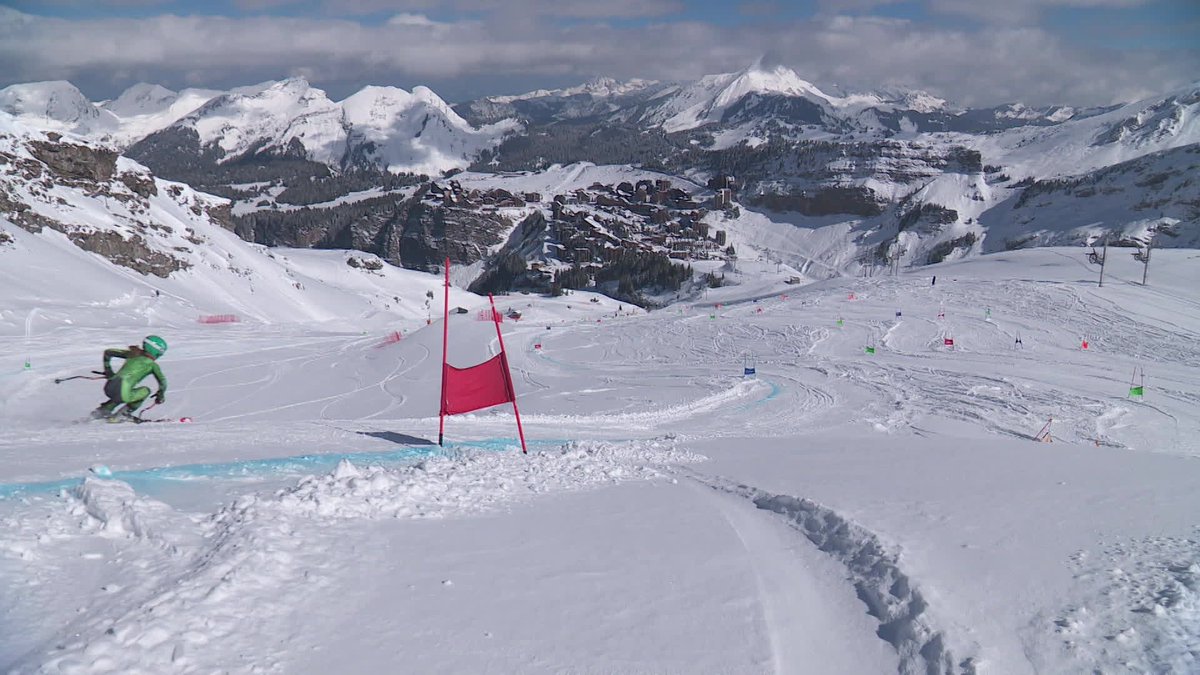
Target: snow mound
(474,482)
(1141,608)
(251,552)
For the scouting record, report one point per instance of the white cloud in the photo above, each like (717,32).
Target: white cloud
(254,5)
(528,10)
(839,6)
(1021,11)
(94,3)
(968,66)
(407,19)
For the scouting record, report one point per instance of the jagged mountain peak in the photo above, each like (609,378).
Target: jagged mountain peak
(760,79)
(707,100)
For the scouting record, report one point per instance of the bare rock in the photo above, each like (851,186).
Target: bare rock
(76,162)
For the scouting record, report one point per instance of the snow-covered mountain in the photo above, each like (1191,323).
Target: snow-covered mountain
(57,106)
(707,100)
(145,247)
(1087,143)
(382,127)
(415,132)
(140,99)
(138,112)
(900,173)
(601,97)
(600,87)
(271,117)
(146,108)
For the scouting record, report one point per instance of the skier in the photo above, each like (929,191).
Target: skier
(122,387)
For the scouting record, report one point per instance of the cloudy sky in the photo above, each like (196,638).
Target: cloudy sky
(973,52)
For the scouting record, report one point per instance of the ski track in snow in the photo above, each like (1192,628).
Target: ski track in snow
(890,596)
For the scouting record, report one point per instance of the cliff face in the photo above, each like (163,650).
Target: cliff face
(407,231)
(101,202)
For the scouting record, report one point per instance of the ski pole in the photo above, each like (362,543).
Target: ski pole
(98,376)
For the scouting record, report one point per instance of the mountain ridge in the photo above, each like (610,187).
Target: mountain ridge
(900,176)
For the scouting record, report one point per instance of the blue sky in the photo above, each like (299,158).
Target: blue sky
(973,52)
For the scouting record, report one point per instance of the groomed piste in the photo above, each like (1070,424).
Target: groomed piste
(1003,504)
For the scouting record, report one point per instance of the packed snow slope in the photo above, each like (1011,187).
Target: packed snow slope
(837,512)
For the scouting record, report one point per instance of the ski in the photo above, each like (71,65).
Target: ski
(134,420)
(181,420)
(139,420)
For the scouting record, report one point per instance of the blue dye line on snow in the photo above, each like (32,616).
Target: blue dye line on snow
(276,467)
(775,391)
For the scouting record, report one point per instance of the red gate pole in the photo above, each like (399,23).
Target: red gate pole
(445,345)
(512,394)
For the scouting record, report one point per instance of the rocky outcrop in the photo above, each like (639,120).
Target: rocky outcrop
(928,218)
(176,154)
(139,184)
(818,178)
(133,252)
(943,250)
(851,200)
(45,183)
(73,163)
(432,233)
(408,232)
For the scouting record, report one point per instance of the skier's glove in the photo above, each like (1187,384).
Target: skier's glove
(108,373)
(160,397)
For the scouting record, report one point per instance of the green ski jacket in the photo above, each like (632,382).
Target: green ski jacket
(135,369)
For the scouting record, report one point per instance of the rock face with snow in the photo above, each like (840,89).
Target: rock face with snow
(79,221)
(913,178)
(405,230)
(103,203)
(599,97)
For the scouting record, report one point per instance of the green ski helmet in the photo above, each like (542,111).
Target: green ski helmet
(154,346)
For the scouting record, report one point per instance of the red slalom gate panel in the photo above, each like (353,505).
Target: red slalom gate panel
(218,318)
(391,339)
